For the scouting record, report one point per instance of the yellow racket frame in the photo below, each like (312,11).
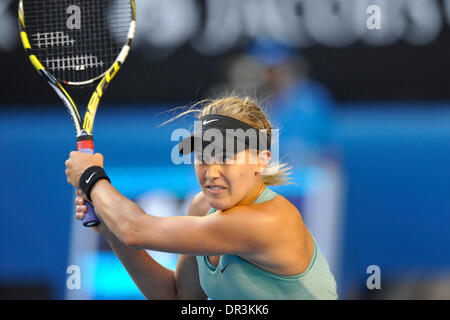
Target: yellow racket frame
(83,126)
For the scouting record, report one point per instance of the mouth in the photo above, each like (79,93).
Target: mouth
(215,189)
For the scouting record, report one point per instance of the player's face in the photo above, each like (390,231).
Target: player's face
(227,183)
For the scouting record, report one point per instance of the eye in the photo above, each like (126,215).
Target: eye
(199,159)
(228,159)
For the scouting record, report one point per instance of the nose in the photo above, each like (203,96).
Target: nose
(212,171)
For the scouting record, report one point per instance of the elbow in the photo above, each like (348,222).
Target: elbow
(130,239)
(130,234)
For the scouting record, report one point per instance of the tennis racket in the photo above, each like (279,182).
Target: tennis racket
(78,43)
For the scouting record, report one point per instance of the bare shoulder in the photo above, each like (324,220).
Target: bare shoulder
(199,206)
(278,206)
(269,215)
(279,213)
(285,216)
(288,252)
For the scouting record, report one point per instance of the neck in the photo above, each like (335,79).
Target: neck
(254,194)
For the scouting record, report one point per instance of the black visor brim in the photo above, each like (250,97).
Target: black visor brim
(192,143)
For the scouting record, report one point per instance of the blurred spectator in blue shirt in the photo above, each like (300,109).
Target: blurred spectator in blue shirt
(301,107)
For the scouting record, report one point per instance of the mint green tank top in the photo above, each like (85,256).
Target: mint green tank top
(237,279)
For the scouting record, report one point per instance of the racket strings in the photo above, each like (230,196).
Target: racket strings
(77,41)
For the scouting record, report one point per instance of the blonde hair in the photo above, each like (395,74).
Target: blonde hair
(246,110)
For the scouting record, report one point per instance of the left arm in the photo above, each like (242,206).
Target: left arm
(241,229)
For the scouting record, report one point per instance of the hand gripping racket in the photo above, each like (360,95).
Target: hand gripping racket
(78,43)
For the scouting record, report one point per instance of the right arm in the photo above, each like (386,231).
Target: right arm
(153,280)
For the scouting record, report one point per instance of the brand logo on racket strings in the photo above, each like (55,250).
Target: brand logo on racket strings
(74,20)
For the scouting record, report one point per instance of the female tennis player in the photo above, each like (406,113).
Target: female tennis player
(239,240)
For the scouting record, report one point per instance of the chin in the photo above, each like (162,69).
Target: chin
(219,204)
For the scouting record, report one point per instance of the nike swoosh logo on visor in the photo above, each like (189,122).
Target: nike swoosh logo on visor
(205,122)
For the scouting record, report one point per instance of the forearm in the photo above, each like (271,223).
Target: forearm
(137,229)
(153,280)
(115,210)
(213,234)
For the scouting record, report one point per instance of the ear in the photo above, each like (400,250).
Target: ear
(263,161)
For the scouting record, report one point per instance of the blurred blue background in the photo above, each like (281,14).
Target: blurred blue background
(396,211)
(364,118)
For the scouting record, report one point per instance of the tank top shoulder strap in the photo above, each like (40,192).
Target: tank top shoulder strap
(266,195)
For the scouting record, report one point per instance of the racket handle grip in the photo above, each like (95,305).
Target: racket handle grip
(90,219)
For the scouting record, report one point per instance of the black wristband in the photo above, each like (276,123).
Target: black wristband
(90,177)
